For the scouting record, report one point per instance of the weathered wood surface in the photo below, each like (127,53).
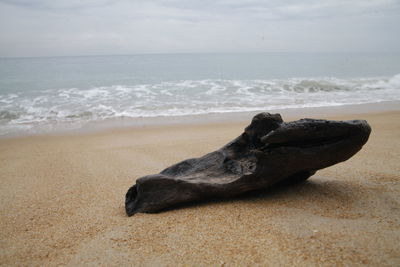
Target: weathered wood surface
(267,152)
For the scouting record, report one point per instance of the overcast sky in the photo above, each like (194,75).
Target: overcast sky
(103,27)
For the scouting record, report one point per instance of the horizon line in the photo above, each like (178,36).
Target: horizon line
(203,53)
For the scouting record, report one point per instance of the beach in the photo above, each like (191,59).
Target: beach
(62,202)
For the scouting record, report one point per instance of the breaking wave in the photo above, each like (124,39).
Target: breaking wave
(22,111)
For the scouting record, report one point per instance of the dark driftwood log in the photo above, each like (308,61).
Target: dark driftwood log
(269,151)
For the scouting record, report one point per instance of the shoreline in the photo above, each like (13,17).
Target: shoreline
(213,118)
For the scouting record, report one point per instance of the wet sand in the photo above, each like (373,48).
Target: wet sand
(62,203)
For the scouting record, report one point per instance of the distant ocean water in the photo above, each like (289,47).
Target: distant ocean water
(46,94)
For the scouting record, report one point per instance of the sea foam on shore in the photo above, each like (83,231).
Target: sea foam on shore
(49,94)
(49,110)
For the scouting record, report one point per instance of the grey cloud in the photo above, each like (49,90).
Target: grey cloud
(57,4)
(50,27)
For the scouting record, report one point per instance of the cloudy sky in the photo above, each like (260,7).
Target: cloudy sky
(104,27)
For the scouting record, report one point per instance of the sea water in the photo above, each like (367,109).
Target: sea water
(50,93)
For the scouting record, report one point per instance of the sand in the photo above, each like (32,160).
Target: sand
(62,203)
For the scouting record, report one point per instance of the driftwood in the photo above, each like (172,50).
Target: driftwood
(269,151)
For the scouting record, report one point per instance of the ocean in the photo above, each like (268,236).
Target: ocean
(46,94)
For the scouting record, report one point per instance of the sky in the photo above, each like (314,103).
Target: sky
(103,27)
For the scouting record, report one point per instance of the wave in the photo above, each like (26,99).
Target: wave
(25,110)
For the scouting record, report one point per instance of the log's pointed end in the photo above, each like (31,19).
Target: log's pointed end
(130,201)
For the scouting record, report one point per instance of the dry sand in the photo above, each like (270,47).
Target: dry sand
(62,203)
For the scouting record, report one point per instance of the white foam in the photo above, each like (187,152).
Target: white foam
(76,106)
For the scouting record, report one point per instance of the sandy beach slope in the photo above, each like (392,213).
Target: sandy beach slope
(62,203)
